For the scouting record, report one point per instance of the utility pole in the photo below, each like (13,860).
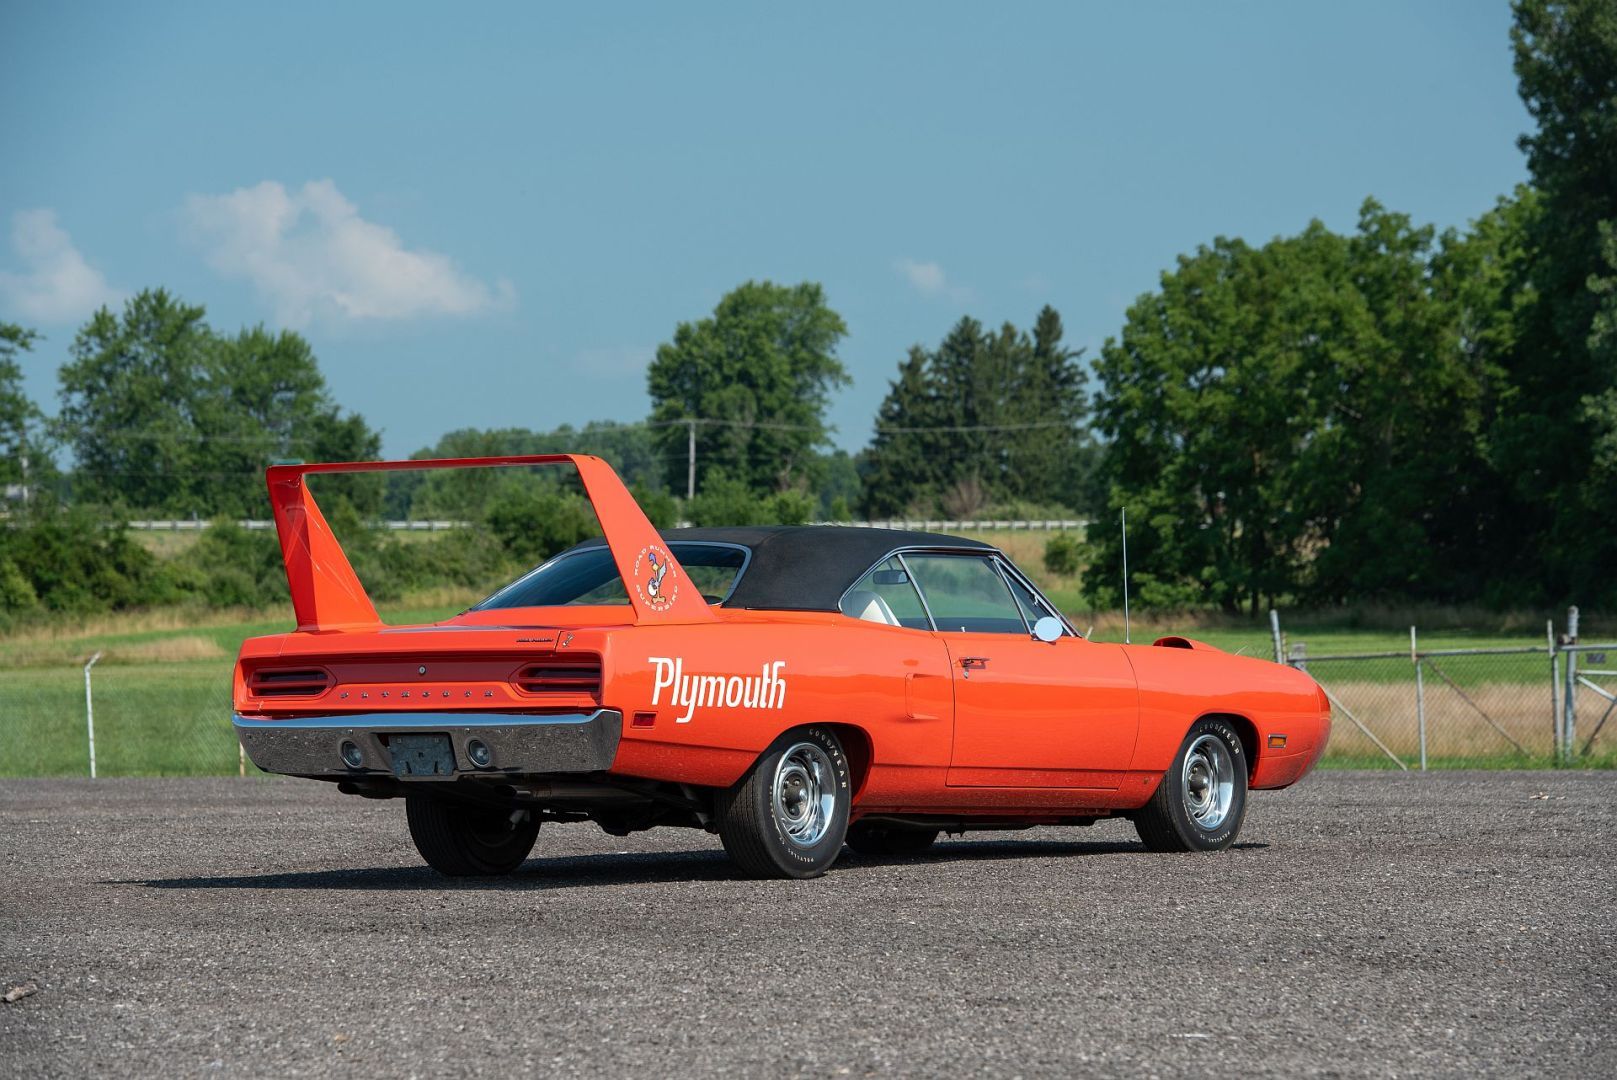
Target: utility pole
(690,460)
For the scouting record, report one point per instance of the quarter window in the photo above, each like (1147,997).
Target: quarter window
(886,595)
(1032,609)
(966,593)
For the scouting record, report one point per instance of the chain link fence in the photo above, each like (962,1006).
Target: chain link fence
(128,719)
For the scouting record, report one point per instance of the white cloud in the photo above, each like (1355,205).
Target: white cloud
(929,279)
(56,285)
(310,254)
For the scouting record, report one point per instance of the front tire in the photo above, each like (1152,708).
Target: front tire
(1201,801)
(469,841)
(788,816)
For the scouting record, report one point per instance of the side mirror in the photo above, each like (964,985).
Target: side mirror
(1048,629)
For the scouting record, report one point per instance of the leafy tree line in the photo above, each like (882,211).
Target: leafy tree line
(1389,413)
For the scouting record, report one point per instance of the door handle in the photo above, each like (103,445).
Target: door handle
(969,662)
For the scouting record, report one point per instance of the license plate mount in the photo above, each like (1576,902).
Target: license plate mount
(421,755)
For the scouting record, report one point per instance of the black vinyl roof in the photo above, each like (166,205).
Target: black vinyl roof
(807,567)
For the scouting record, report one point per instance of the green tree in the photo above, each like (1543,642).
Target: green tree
(164,415)
(1050,463)
(128,404)
(835,477)
(993,416)
(264,399)
(899,466)
(1291,419)
(760,371)
(1600,410)
(1566,64)
(22,453)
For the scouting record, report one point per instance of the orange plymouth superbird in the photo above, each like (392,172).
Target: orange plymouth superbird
(792,689)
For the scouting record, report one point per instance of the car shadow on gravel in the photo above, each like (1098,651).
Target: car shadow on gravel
(972,850)
(637,868)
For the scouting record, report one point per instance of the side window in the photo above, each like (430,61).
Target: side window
(886,595)
(966,592)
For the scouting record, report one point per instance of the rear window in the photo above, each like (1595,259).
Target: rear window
(590,577)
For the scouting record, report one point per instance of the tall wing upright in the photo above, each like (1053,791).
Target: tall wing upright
(328,595)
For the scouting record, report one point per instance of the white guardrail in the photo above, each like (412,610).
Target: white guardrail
(255,525)
(937,525)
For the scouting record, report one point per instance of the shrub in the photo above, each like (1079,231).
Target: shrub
(661,508)
(533,525)
(790,507)
(72,562)
(16,591)
(229,566)
(725,500)
(1063,554)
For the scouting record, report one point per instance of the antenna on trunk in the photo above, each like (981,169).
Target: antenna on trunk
(1125,575)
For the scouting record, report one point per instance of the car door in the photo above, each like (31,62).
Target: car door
(1028,713)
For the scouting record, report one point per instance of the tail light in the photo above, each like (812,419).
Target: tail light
(289,682)
(572,676)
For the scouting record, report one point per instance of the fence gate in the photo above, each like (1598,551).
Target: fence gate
(1590,698)
(1515,705)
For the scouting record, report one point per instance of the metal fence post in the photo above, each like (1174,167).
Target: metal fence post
(1556,748)
(1274,628)
(1569,696)
(89,711)
(1420,698)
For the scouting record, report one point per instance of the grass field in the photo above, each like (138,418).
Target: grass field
(162,686)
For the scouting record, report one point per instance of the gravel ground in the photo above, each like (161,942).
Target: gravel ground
(1449,924)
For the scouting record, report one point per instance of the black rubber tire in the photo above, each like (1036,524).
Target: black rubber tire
(468,841)
(889,841)
(1165,824)
(753,837)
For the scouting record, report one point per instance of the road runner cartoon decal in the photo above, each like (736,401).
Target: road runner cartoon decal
(658,589)
(766,690)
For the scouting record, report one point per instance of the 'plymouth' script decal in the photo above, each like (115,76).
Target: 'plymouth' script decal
(763,691)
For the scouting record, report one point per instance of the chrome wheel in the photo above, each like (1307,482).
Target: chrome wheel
(1208,781)
(803,794)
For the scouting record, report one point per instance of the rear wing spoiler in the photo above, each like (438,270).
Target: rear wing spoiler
(327,594)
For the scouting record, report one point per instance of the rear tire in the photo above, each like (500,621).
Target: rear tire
(469,841)
(889,841)
(1201,801)
(787,817)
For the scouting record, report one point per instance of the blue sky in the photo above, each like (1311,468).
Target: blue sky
(489,215)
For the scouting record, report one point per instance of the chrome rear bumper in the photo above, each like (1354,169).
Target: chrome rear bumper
(511,743)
